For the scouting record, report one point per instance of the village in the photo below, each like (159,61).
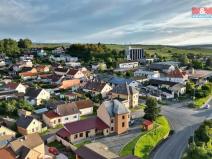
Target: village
(63,109)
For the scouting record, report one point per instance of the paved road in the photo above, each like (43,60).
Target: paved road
(116,142)
(184,121)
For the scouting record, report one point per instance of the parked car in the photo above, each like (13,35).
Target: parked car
(53,151)
(207,106)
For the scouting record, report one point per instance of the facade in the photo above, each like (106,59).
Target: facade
(85,106)
(115,115)
(27,147)
(128,65)
(28,125)
(96,88)
(162,67)
(146,73)
(20,88)
(75,73)
(36,96)
(82,129)
(134,53)
(126,92)
(64,113)
(6,131)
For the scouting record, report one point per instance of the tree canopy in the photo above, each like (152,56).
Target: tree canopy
(24,43)
(152,111)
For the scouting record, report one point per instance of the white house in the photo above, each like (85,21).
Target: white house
(146,73)
(128,64)
(36,96)
(20,88)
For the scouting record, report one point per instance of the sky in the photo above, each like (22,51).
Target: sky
(166,22)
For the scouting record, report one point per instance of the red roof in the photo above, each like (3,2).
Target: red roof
(147,122)
(177,73)
(12,85)
(51,114)
(82,125)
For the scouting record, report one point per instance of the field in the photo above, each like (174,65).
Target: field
(148,141)
(166,51)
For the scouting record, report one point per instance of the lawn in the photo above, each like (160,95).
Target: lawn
(82,143)
(148,141)
(129,148)
(201,101)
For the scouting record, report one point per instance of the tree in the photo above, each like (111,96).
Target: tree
(209,62)
(9,47)
(190,86)
(151,110)
(24,43)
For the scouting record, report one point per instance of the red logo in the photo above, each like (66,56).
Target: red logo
(201,10)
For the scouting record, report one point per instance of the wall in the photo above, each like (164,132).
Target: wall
(118,123)
(86,111)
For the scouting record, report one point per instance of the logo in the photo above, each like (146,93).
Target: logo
(202,12)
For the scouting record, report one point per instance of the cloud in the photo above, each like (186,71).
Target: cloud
(119,21)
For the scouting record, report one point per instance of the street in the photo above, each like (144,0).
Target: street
(184,121)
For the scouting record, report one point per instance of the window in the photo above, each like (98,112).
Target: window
(66,118)
(123,117)
(33,130)
(75,116)
(111,120)
(123,124)
(75,136)
(81,134)
(111,129)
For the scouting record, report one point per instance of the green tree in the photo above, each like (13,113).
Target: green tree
(152,111)
(24,43)
(190,86)
(9,47)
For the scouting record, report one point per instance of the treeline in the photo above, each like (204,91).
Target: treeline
(12,47)
(93,53)
(200,145)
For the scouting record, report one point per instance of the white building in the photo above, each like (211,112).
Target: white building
(128,65)
(134,53)
(148,74)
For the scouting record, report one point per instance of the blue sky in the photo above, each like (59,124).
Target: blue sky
(106,21)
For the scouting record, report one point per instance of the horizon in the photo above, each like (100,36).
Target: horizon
(148,22)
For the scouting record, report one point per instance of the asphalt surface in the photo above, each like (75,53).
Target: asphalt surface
(184,121)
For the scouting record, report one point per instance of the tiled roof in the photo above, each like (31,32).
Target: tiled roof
(24,121)
(7,153)
(81,104)
(12,85)
(67,109)
(94,86)
(83,125)
(70,83)
(177,73)
(124,89)
(33,92)
(51,114)
(72,72)
(64,70)
(115,107)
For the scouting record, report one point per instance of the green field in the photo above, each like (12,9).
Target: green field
(147,142)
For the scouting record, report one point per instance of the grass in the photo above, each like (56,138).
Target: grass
(129,148)
(148,141)
(82,143)
(201,101)
(56,144)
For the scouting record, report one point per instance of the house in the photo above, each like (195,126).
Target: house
(61,71)
(58,50)
(162,67)
(35,96)
(53,79)
(75,73)
(20,88)
(69,96)
(146,73)
(97,150)
(178,89)
(82,129)
(27,147)
(64,113)
(128,65)
(73,64)
(72,84)
(96,87)
(6,135)
(28,125)
(42,69)
(147,125)
(101,66)
(126,92)
(177,75)
(85,106)
(115,115)
(94,150)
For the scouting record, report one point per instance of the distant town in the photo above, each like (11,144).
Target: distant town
(104,101)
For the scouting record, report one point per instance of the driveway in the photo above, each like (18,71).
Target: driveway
(116,142)
(184,121)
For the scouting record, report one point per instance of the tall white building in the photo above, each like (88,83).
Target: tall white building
(134,53)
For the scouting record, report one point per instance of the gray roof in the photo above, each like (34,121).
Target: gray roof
(159,66)
(67,109)
(124,89)
(24,121)
(33,92)
(115,107)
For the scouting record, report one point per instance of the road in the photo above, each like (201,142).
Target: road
(184,121)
